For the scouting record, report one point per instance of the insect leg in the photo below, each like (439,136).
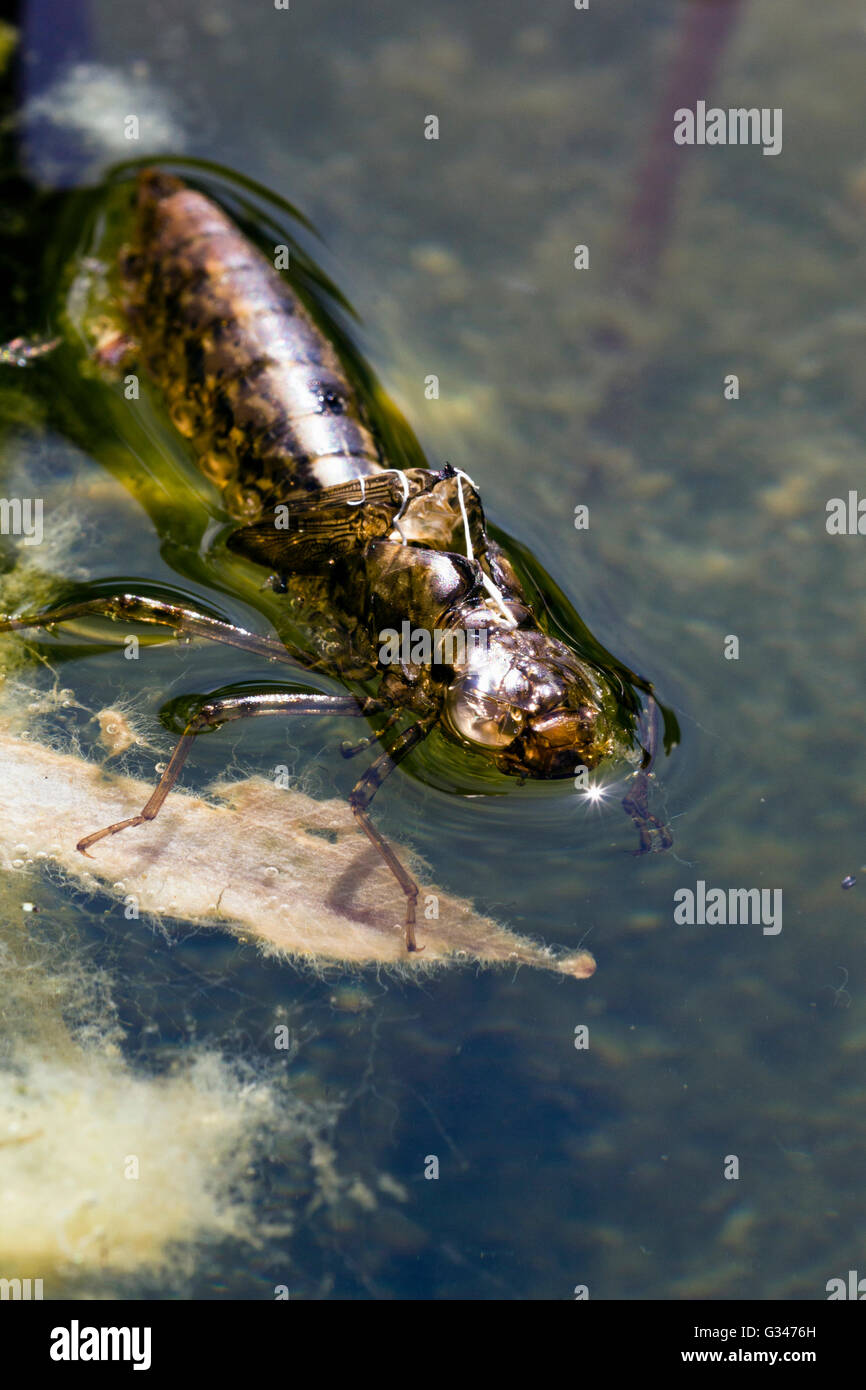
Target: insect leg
(653,835)
(221,710)
(351,750)
(185,621)
(361,796)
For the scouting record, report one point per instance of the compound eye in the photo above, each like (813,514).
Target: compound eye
(482,719)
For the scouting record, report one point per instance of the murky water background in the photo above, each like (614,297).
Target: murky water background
(558,1167)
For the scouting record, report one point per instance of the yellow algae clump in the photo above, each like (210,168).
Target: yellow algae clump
(101,1169)
(106,1171)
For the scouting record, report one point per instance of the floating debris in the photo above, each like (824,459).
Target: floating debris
(331,902)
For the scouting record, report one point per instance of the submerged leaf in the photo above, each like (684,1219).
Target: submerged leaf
(269,864)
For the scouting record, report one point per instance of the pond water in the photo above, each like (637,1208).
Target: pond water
(707,1143)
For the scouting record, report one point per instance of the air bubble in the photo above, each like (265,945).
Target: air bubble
(271,871)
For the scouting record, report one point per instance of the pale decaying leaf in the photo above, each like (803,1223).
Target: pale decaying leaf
(266,863)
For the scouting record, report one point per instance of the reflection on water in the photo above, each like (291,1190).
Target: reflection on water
(558,1165)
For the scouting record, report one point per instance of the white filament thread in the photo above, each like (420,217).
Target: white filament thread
(404,483)
(363,481)
(491,588)
(494,592)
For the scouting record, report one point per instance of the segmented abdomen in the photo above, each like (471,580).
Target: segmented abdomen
(247,375)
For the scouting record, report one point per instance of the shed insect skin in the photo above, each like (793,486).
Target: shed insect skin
(274,421)
(246,374)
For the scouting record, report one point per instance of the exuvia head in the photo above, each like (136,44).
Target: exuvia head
(531,704)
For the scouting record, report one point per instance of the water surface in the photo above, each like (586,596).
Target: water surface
(558,1167)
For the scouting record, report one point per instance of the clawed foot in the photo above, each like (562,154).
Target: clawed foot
(655,837)
(411,943)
